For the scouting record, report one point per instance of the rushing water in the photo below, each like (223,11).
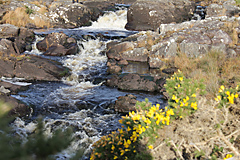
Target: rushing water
(81,100)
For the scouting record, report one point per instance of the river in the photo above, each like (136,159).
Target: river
(81,100)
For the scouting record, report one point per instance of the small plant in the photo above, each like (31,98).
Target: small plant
(28,10)
(182,93)
(38,145)
(199,154)
(216,152)
(227,96)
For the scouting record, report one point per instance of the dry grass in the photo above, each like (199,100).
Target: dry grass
(199,134)
(214,68)
(20,18)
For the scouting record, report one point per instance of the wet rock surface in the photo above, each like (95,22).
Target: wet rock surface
(32,68)
(17,108)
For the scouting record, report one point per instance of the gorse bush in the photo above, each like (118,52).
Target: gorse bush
(147,121)
(227,95)
(182,94)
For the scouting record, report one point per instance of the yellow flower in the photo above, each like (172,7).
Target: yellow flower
(122,152)
(181,104)
(174,97)
(181,78)
(228,156)
(121,131)
(128,142)
(120,121)
(136,117)
(221,88)
(194,105)
(193,95)
(170,112)
(115,157)
(227,93)
(236,95)
(150,147)
(128,129)
(113,147)
(231,99)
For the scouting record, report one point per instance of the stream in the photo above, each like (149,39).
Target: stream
(81,100)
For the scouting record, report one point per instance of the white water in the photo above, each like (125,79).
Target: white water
(89,58)
(112,20)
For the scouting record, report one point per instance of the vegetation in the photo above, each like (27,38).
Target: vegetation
(21,17)
(201,113)
(38,145)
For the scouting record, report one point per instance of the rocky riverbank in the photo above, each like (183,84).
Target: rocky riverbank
(165,30)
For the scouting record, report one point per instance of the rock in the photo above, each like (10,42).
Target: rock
(58,44)
(4,90)
(32,68)
(123,62)
(7,48)
(15,40)
(76,15)
(155,62)
(154,13)
(13,88)
(228,8)
(137,54)
(8,30)
(125,104)
(132,82)
(114,69)
(115,52)
(17,108)
(24,39)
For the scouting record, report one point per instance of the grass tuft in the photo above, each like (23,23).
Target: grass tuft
(21,18)
(214,68)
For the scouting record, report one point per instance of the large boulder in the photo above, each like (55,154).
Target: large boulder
(32,68)
(8,30)
(58,44)
(133,82)
(148,15)
(68,15)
